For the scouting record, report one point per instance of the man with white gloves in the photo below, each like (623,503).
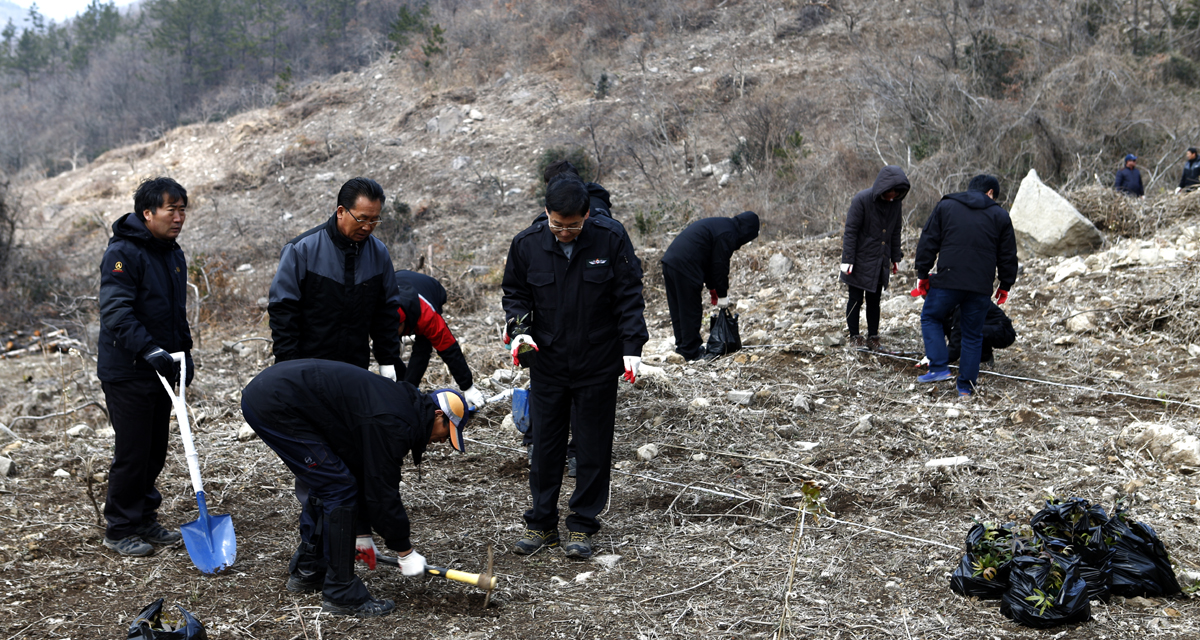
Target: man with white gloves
(574,308)
(334,295)
(344,432)
(421,300)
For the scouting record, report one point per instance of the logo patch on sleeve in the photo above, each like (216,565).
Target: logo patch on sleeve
(119,267)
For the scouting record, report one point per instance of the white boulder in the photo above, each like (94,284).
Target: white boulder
(1170,445)
(1046,224)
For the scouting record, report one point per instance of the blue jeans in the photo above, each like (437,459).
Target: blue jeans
(939,305)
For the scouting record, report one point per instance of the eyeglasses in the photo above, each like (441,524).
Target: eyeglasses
(369,223)
(555,228)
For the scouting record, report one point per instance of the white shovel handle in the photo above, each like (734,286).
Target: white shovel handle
(181,416)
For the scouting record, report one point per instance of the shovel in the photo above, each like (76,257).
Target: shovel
(209,540)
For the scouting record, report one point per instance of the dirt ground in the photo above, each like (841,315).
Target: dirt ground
(702,540)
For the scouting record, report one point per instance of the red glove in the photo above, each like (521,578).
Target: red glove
(364,549)
(922,288)
(895,268)
(1001,296)
(712,293)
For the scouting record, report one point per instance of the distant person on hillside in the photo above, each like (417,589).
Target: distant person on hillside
(871,249)
(335,291)
(1129,179)
(698,258)
(1191,172)
(970,240)
(421,301)
(143,320)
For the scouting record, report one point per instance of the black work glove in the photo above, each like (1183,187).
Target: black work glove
(163,363)
(191,369)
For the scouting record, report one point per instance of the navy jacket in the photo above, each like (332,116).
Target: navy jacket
(370,422)
(421,301)
(330,295)
(1129,181)
(701,252)
(1191,174)
(584,313)
(871,241)
(143,301)
(971,239)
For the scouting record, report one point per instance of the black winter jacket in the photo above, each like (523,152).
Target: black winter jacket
(421,300)
(971,239)
(330,295)
(701,252)
(143,301)
(584,313)
(1191,174)
(370,422)
(998,331)
(871,241)
(1129,181)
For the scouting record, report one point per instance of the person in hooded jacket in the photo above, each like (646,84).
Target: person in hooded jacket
(871,249)
(1190,178)
(599,202)
(970,239)
(143,319)
(421,301)
(334,295)
(344,432)
(696,259)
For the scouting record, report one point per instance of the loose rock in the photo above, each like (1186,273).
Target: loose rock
(7,467)
(948,462)
(246,434)
(647,452)
(740,397)
(1046,224)
(779,266)
(80,430)
(62,473)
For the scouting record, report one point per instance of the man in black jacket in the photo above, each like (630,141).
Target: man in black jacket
(143,319)
(344,432)
(572,296)
(699,257)
(1190,178)
(1129,179)
(335,291)
(971,239)
(421,301)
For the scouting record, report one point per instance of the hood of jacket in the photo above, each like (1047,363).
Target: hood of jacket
(747,226)
(600,193)
(132,227)
(972,199)
(890,177)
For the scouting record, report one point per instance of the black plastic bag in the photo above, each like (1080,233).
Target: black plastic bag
(149,625)
(1140,566)
(1075,528)
(723,336)
(1045,591)
(983,570)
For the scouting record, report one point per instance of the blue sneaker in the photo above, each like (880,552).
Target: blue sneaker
(935,376)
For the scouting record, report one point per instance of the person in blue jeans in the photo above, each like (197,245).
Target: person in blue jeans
(970,239)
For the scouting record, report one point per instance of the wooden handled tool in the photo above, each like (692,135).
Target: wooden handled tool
(485,581)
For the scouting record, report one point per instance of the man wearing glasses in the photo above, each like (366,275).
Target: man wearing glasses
(572,296)
(335,293)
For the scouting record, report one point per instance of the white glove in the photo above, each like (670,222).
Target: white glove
(632,364)
(1178,189)
(847,268)
(412,564)
(364,549)
(409,339)
(388,371)
(474,397)
(722,303)
(516,346)
(923,363)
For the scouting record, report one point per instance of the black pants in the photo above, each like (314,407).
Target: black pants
(551,408)
(418,362)
(683,301)
(327,492)
(854,303)
(140,411)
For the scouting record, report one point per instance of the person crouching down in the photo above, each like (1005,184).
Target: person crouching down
(344,431)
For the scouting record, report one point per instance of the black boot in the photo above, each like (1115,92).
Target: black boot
(344,593)
(306,571)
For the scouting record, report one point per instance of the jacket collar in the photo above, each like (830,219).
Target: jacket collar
(339,240)
(584,239)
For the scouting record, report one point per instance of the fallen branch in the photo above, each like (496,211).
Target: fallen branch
(695,586)
(68,412)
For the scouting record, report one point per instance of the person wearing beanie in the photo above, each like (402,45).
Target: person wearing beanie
(697,259)
(970,240)
(1191,172)
(1129,179)
(871,249)
(344,432)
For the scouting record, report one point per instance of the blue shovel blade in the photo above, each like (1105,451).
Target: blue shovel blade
(520,409)
(210,540)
